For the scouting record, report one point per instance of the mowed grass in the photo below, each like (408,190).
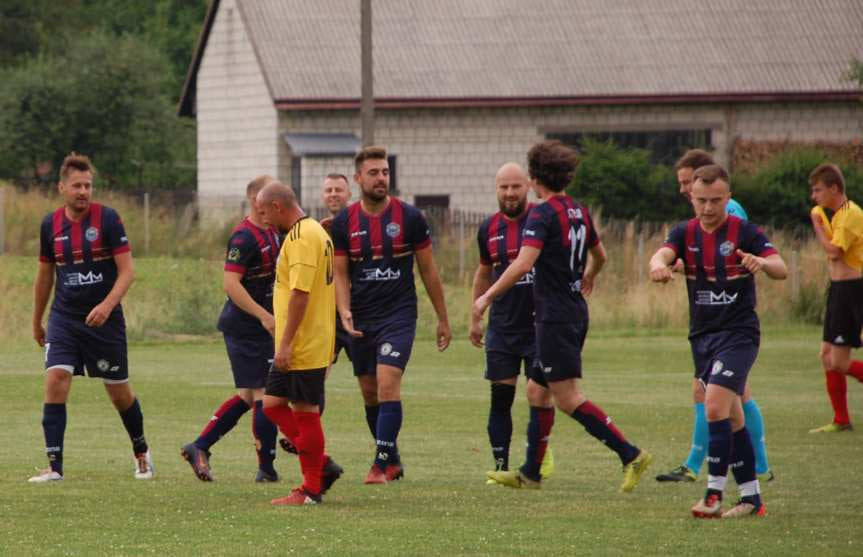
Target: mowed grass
(443,506)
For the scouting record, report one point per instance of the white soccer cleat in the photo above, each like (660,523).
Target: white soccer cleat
(45,476)
(144,466)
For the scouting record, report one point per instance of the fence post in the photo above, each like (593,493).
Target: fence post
(460,215)
(795,276)
(147,223)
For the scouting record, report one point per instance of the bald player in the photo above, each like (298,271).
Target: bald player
(510,341)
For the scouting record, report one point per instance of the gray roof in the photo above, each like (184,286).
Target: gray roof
(566,49)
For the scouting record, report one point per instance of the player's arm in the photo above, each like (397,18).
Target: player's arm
(297,306)
(238,294)
(434,288)
(832,251)
(481,283)
(41,295)
(595,263)
(772,265)
(343,294)
(527,256)
(660,264)
(125,275)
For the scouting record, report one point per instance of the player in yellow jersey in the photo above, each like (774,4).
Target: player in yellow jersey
(303,306)
(838,225)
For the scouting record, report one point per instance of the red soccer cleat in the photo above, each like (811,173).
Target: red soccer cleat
(375,476)
(394,472)
(298,497)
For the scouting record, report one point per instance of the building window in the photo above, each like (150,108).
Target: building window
(665,146)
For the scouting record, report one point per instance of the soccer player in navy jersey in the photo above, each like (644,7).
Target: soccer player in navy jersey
(85,256)
(722,253)
(685,167)
(510,341)
(247,325)
(376,241)
(558,236)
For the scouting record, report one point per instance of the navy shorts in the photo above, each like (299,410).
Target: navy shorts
(343,341)
(72,346)
(724,358)
(250,360)
(558,351)
(388,343)
(844,318)
(297,386)
(506,353)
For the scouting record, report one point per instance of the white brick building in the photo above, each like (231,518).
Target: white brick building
(463,86)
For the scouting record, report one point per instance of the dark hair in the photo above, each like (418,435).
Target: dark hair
(711,173)
(74,161)
(694,159)
(828,173)
(258,184)
(552,164)
(336,176)
(369,153)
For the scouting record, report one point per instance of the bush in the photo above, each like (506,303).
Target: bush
(777,194)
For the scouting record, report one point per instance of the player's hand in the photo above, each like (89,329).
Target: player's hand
(39,334)
(586,285)
(753,263)
(269,323)
(678,266)
(98,315)
(661,274)
(815,217)
(479,306)
(475,333)
(282,359)
(444,335)
(348,324)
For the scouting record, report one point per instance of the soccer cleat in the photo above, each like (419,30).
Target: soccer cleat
(679,474)
(330,474)
(375,476)
(514,479)
(546,469)
(45,476)
(767,476)
(632,472)
(745,508)
(709,507)
(394,472)
(298,497)
(833,427)
(199,461)
(144,469)
(266,477)
(287,446)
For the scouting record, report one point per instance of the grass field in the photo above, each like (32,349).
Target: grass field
(443,506)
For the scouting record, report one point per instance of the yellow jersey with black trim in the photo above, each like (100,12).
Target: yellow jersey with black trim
(306,264)
(845,230)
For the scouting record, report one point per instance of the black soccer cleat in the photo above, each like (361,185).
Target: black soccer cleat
(330,474)
(266,477)
(199,461)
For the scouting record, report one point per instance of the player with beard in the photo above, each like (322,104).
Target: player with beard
(510,342)
(376,241)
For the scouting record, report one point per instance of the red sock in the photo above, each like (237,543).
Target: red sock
(855,370)
(310,448)
(284,417)
(546,421)
(837,388)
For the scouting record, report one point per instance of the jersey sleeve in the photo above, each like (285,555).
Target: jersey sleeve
(420,232)
(676,240)
(845,233)
(593,234)
(303,250)
(241,252)
(46,248)
(482,241)
(536,228)
(339,233)
(116,234)
(759,244)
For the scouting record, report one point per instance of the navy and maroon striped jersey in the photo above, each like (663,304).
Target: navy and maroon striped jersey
(721,290)
(83,256)
(563,231)
(252,252)
(380,252)
(499,239)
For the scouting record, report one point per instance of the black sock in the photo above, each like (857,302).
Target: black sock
(133,420)
(600,426)
(500,423)
(54,427)
(223,421)
(265,433)
(743,466)
(538,432)
(718,455)
(372,418)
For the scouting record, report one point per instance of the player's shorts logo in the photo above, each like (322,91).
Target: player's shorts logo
(386,348)
(92,234)
(393,229)
(726,248)
(103,365)
(717,367)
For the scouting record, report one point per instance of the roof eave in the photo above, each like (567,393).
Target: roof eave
(186,104)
